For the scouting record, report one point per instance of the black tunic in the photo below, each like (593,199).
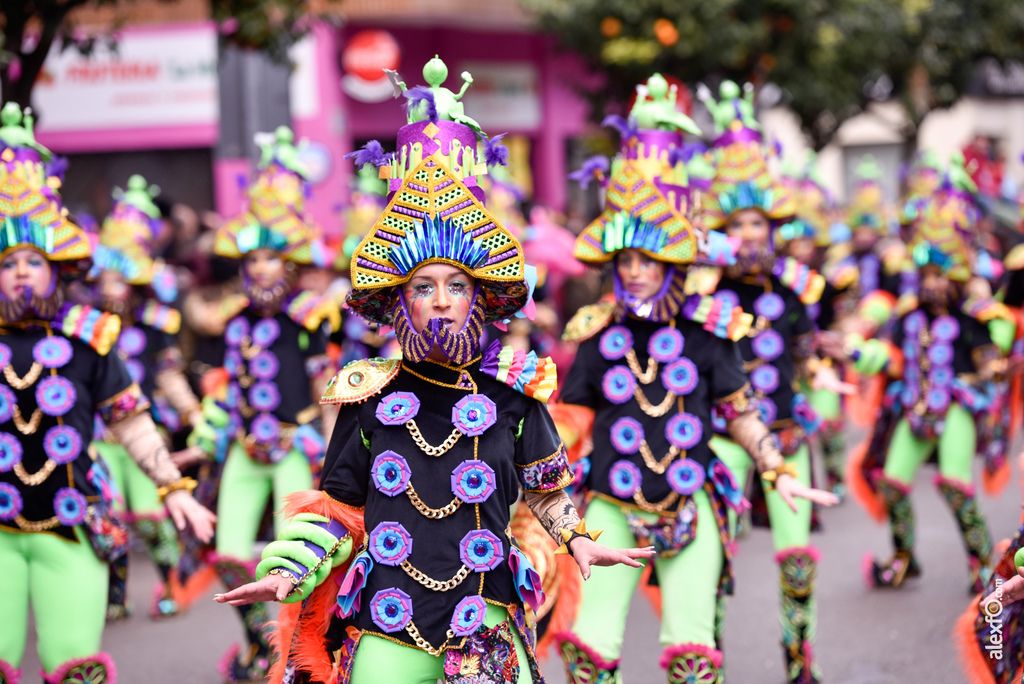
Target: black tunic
(521,447)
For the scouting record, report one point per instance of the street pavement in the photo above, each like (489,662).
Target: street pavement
(864,637)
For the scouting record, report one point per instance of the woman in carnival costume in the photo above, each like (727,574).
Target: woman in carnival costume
(430,452)
(261,410)
(746,203)
(650,366)
(128,283)
(943,360)
(57,533)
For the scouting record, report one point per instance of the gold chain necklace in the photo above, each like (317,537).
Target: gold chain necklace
(31,425)
(434,513)
(37,478)
(645,505)
(657,466)
(443,384)
(39,526)
(649,408)
(428,449)
(23,383)
(430,582)
(645,377)
(423,644)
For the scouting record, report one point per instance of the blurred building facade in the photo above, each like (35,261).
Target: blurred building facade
(172,102)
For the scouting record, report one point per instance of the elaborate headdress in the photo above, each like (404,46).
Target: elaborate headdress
(126,237)
(944,223)
(867,206)
(648,200)
(273,219)
(30,206)
(813,205)
(742,179)
(436,213)
(366,202)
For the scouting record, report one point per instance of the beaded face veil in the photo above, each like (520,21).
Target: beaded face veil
(436,214)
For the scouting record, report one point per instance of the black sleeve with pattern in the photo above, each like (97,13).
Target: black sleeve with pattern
(729,386)
(116,396)
(540,458)
(580,386)
(346,473)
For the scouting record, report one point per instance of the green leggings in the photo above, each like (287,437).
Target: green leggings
(956,446)
(66,586)
(380,660)
(827,403)
(136,488)
(245,487)
(689,583)
(789,529)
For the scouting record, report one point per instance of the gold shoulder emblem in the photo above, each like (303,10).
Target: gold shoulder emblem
(589,321)
(360,380)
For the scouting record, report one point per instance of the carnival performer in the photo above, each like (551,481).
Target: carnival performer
(261,411)
(747,203)
(431,451)
(650,366)
(129,284)
(943,359)
(57,533)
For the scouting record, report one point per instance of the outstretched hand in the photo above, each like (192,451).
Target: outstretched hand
(185,510)
(588,553)
(270,588)
(827,379)
(789,488)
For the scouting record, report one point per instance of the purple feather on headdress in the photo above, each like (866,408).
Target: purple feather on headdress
(371,153)
(57,166)
(595,167)
(421,94)
(685,153)
(777,145)
(627,128)
(495,154)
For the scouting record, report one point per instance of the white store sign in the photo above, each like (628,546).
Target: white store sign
(504,95)
(154,78)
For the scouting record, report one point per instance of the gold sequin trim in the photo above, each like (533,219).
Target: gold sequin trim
(30,426)
(657,466)
(23,383)
(430,582)
(434,513)
(645,377)
(429,449)
(37,478)
(645,505)
(650,409)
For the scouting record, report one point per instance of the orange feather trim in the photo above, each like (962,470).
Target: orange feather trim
(574,424)
(652,594)
(973,662)
(302,627)
(858,487)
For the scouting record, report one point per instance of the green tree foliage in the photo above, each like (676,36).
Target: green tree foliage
(31,27)
(830,57)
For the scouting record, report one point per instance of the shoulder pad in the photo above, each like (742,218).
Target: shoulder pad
(727,323)
(310,311)
(589,321)
(524,372)
(360,380)
(96,328)
(160,317)
(805,282)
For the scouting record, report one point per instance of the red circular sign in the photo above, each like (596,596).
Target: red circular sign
(367,53)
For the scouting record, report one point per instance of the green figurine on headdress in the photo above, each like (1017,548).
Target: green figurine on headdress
(140,195)
(658,109)
(433,101)
(17,129)
(281,148)
(733,104)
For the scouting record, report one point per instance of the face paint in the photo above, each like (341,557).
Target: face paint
(436,315)
(641,276)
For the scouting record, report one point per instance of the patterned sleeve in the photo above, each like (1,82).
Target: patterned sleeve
(540,457)
(730,388)
(346,473)
(117,397)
